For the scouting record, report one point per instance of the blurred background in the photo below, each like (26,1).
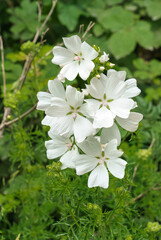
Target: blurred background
(39,202)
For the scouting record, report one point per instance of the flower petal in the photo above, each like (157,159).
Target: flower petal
(131,89)
(85,164)
(91,147)
(59,108)
(70,70)
(55,147)
(62,126)
(99,177)
(111,149)
(131,123)
(68,159)
(62,56)
(56,88)
(121,107)
(117,167)
(88,52)
(103,118)
(73,43)
(90,107)
(47,121)
(44,100)
(82,128)
(74,97)
(95,88)
(108,134)
(85,68)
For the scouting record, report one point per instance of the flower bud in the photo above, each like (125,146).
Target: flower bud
(98,76)
(101,68)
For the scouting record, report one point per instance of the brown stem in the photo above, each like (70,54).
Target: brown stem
(16,119)
(3,68)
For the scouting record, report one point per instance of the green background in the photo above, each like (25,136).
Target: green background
(38,201)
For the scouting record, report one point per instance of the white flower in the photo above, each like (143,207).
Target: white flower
(59,146)
(98,158)
(68,115)
(75,59)
(104,58)
(131,123)
(114,96)
(56,89)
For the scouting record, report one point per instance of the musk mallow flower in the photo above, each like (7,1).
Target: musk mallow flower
(75,59)
(69,111)
(113,96)
(63,147)
(99,159)
(104,58)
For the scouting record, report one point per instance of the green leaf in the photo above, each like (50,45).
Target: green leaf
(68,15)
(116,19)
(113,2)
(144,35)
(154,9)
(122,43)
(140,63)
(98,30)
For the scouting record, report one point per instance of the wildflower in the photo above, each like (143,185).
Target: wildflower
(98,158)
(69,112)
(114,98)
(75,59)
(61,146)
(104,58)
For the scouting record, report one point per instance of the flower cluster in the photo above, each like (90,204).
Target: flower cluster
(84,121)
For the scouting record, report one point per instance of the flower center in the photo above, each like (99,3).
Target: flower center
(74,114)
(101,160)
(104,102)
(69,145)
(77,58)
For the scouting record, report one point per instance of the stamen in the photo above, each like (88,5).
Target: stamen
(77,58)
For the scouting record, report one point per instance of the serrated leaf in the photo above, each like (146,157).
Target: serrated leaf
(116,19)
(122,43)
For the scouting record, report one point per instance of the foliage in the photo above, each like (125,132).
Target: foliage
(38,201)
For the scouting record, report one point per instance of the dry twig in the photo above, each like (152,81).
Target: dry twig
(3,68)
(26,67)
(90,25)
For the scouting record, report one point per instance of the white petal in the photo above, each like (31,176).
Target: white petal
(91,147)
(90,107)
(99,177)
(85,164)
(47,121)
(44,100)
(88,52)
(56,88)
(73,43)
(111,150)
(121,107)
(114,88)
(103,118)
(108,134)
(62,56)
(74,97)
(62,126)
(59,108)
(82,128)
(117,167)
(96,88)
(55,148)
(85,68)
(68,159)
(131,89)
(70,70)
(131,123)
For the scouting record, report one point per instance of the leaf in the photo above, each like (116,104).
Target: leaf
(116,19)
(140,63)
(113,2)
(98,30)
(154,9)
(144,35)
(68,15)
(122,43)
